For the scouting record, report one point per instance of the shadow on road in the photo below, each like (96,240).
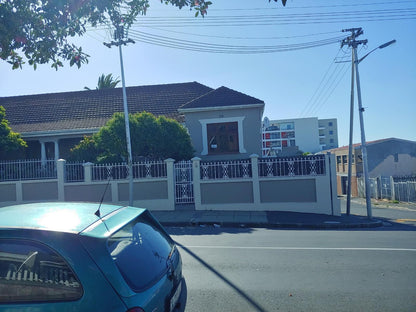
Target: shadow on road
(256,306)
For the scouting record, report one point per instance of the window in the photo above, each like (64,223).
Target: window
(222,138)
(344,159)
(330,124)
(396,157)
(289,134)
(338,159)
(276,144)
(287,126)
(275,135)
(272,128)
(142,250)
(30,271)
(331,132)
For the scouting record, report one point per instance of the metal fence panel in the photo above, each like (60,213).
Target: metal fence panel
(184,188)
(119,171)
(385,188)
(292,166)
(392,188)
(74,172)
(19,170)
(224,170)
(405,191)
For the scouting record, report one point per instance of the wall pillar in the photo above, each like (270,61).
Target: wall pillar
(19,192)
(171,182)
(88,172)
(255,179)
(60,172)
(196,175)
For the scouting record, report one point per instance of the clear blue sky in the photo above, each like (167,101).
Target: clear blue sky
(293,83)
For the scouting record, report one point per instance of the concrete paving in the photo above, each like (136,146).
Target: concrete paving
(269,219)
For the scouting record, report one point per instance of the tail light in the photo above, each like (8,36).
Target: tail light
(136,309)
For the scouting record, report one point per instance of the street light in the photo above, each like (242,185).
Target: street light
(360,112)
(379,47)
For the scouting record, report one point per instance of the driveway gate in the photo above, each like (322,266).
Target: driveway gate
(184,189)
(385,188)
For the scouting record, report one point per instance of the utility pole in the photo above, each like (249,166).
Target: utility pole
(353,43)
(119,41)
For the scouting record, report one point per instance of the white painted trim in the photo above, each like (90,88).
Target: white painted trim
(67,132)
(218,108)
(205,122)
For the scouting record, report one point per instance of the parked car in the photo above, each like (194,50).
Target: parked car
(87,257)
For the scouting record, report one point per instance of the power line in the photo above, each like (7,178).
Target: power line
(226,48)
(239,37)
(281,19)
(328,84)
(311,101)
(355,5)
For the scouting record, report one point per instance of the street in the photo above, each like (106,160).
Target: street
(244,269)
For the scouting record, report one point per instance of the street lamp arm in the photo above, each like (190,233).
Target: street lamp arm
(379,47)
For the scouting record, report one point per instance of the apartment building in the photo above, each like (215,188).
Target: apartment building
(291,136)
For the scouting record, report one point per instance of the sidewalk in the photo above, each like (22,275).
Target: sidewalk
(268,219)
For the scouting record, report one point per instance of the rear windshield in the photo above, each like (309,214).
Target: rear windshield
(141,250)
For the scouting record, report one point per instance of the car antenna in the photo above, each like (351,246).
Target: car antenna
(98,212)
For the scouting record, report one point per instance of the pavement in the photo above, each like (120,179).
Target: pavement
(265,219)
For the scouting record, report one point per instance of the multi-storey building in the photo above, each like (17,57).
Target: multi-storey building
(301,134)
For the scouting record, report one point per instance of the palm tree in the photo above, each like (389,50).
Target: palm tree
(106,82)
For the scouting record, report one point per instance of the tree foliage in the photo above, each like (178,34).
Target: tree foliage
(151,137)
(38,31)
(106,82)
(11,143)
(283,1)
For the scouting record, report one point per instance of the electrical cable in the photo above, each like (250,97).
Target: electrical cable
(222,48)
(318,89)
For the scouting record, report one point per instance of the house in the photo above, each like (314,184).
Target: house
(224,124)
(289,136)
(385,157)
(53,123)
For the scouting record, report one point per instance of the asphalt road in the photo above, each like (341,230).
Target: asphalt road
(301,270)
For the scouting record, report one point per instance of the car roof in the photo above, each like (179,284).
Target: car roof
(61,216)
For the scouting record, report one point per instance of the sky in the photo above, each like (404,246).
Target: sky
(172,46)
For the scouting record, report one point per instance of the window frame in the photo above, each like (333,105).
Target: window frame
(204,124)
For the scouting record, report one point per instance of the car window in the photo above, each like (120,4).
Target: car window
(30,271)
(141,251)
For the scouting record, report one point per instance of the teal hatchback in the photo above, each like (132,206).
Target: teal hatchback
(87,257)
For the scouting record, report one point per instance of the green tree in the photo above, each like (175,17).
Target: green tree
(283,1)
(151,137)
(38,31)
(106,82)
(11,143)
